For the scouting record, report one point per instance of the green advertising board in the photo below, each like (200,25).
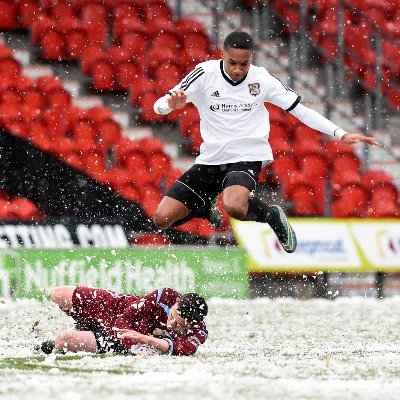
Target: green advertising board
(211,272)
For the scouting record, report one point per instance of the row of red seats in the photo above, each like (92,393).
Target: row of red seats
(41,111)
(14,208)
(304,165)
(19,14)
(373,17)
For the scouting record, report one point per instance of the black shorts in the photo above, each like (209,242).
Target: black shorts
(202,183)
(107,344)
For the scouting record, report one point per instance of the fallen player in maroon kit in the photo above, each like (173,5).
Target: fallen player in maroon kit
(107,321)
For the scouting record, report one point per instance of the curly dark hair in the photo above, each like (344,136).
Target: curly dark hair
(192,307)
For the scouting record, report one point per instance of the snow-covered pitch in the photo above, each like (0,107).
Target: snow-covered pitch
(348,348)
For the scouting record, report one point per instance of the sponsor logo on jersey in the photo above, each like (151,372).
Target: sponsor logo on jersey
(231,108)
(215,94)
(254,89)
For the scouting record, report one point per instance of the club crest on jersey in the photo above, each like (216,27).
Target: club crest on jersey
(254,89)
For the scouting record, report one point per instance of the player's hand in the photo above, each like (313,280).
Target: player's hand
(353,138)
(137,337)
(177,100)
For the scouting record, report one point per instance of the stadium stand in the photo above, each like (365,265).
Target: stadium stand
(140,48)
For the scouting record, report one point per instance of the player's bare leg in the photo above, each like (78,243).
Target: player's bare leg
(169,211)
(76,341)
(235,201)
(62,296)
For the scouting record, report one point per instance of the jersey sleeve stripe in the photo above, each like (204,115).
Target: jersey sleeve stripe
(171,345)
(294,104)
(193,73)
(185,87)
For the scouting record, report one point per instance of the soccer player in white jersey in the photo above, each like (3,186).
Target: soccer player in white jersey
(234,124)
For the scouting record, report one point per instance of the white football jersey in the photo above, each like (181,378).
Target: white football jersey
(234,122)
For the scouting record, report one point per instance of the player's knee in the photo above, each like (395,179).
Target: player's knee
(56,293)
(62,340)
(62,295)
(161,220)
(235,209)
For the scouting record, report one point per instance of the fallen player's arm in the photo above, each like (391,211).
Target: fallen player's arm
(161,345)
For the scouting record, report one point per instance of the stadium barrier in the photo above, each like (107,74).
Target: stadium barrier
(326,245)
(31,273)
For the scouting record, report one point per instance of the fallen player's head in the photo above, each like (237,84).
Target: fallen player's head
(189,310)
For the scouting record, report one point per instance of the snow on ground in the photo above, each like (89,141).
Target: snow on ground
(348,348)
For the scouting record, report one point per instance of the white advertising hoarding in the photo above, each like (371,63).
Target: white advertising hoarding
(323,244)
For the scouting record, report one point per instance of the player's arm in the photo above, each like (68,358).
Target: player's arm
(173,100)
(188,343)
(128,335)
(287,99)
(186,91)
(315,120)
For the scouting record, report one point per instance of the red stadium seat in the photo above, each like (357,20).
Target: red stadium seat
(341,179)
(151,239)
(157,25)
(136,42)
(29,11)
(96,32)
(9,67)
(173,175)
(169,69)
(25,209)
(8,15)
(58,98)
(93,11)
(147,113)
(159,56)
(166,40)
(304,148)
(282,167)
(387,193)
(280,146)
(103,74)
(189,58)
(157,10)
(351,202)
(383,209)
(151,145)
(136,161)
(313,166)
(60,10)
(142,87)
(304,133)
(377,178)
(125,25)
(89,57)
(335,148)
(276,115)
(346,162)
(76,41)
(53,45)
(123,148)
(130,192)
(196,40)
(303,201)
(126,10)
(159,166)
